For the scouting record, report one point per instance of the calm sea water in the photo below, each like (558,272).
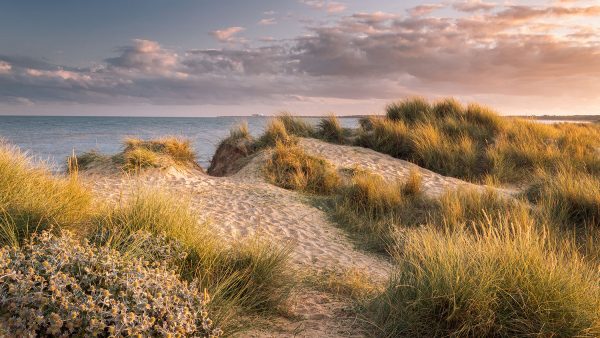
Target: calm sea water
(53,138)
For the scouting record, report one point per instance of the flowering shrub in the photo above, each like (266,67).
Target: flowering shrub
(58,286)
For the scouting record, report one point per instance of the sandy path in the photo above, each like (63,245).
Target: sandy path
(246,205)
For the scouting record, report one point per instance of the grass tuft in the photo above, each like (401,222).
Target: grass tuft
(275,132)
(291,168)
(376,209)
(32,199)
(296,125)
(411,110)
(331,130)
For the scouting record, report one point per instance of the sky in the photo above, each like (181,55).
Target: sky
(308,57)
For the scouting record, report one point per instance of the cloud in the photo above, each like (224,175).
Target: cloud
(5,67)
(267,21)
(227,34)
(335,7)
(473,6)
(425,9)
(144,56)
(509,52)
(328,6)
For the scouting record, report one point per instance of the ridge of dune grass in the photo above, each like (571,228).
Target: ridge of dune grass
(245,280)
(508,279)
(473,142)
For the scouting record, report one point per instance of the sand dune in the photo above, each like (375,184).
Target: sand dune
(245,204)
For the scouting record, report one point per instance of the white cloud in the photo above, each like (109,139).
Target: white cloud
(473,5)
(425,9)
(227,34)
(267,21)
(5,67)
(328,6)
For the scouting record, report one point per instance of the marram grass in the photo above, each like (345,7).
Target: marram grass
(32,199)
(291,168)
(508,280)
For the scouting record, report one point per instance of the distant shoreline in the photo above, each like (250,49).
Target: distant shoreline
(580,118)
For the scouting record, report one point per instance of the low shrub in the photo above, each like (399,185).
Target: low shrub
(291,168)
(509,280)
(58,286)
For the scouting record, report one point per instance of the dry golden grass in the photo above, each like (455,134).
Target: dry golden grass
(375,209)
(351,283)
(141,154)
(32,199)
(505,281)
(275,132)
(291,168)
(330,129)
(476,144)
(296,125)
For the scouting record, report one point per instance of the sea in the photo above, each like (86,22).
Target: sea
(51,139)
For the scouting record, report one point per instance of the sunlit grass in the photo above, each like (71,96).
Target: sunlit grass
(32,199)
(291,168)
(509,279)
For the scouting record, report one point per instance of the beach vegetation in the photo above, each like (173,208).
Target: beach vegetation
(296,125)
(275,132)
(33,200)
(374,209)
(508,279)
(330,130)
(292,168)
(476,144)
(57,285)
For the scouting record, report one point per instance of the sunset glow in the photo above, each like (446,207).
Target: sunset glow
(193,58)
